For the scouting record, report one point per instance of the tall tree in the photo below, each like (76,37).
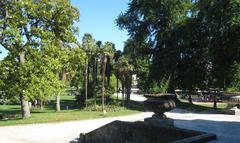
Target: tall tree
(22,28)
(117,55)
(89,46)
(125,70)
(108,52)
(152,23)
(222,20)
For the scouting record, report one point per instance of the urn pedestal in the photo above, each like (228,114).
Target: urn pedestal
(233,101)
(159,104)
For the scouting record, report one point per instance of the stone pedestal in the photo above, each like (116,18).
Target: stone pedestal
(232,111)
(159,103)
(160,122)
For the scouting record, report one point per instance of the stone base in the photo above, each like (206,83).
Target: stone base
(232,111)
(142,132)
(160,122)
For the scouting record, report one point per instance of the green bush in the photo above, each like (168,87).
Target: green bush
(162,87)
(108,108)
(5,100)
(235,85)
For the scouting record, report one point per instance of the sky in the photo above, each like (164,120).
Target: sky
(97,17)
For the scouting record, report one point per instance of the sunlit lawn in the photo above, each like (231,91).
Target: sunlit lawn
(200,106)
(50,115)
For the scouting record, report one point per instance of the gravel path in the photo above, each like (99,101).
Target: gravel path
(226,127)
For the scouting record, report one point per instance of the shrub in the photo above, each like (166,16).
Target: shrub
(162,87)
(235,85)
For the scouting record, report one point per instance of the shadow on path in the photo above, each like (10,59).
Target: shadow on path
(226,131)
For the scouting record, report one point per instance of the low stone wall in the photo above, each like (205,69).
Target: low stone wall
(141,132)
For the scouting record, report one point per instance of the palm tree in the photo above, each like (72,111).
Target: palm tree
(125,70)
(107,54)
(117,55)
(95,58)
(89,46)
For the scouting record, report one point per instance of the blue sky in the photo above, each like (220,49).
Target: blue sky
(98,18)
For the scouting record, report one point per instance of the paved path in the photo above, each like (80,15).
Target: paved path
(226,127)
(57,132)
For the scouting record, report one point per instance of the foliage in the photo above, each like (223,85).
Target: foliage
(113,83)
(161,87)
(40,79)
(123,66)
(33,40)
(194,42)
(108,49)
(142,70)
(235,85)
(77,60)
(89,45)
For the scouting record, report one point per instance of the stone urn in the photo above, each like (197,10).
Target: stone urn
(159,103)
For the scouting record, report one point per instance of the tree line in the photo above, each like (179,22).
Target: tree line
(193,43)
(44,57)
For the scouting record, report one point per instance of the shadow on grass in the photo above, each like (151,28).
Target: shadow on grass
(194,107)
(7,111)
(133,105)
(65,104)
(10,111)
(138,106)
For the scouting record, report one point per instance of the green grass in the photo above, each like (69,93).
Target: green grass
(199,106)
(50,115)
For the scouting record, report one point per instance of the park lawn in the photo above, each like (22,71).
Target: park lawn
(50,115)
(210,105)
(200,106)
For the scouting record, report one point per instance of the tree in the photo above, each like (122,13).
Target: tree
(221,20)
(22,28)
(117,55)
(125,70)
(150,25)
(89,46)
(107,54)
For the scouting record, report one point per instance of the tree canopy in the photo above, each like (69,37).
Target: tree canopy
(194,42)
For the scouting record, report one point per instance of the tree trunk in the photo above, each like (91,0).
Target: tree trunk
(190,96)
(108,71)
(24,103)
(86,83)
(127,82)
(128,87)
(41,104)
(94,81)
(117,85)
(215,103)
(123,91)
(64,75)
(25,108)
(58,108)
(103,80)
(215,100)
(63,78)
(96,72)
(88,69)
